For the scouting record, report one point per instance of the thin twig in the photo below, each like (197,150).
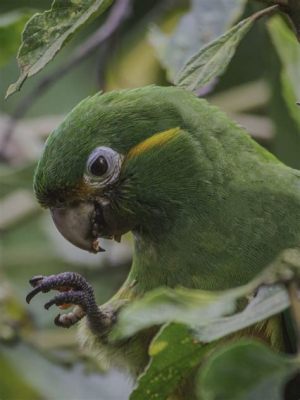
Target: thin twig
(118,14)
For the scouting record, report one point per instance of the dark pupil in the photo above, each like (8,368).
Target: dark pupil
(99,166)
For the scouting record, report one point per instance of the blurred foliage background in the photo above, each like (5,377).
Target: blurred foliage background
(37,360)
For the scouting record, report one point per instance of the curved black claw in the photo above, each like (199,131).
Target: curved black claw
(31,294)
(76,291)
(46,283)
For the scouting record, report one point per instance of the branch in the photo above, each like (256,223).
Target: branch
(118,14)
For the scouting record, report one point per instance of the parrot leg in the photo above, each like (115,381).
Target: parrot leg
(74,290)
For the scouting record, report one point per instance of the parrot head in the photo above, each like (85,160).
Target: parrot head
(120,161)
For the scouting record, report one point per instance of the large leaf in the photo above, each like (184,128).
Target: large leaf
(206,20)
(267,302)
(167,367)
(207,313)
(288,50)
(47,32)
(11,26)
(204,311)
(212,60)
(246,370)
(173,305)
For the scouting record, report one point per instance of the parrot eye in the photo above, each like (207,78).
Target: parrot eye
(103,164)
(99,166)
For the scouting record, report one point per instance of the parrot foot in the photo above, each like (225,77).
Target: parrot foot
(74,291)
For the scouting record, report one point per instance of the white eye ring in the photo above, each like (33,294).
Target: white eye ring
(103,166)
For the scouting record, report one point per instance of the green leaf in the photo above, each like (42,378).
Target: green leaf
(174,353)
(212,60)
(246,370)
(173,305)
(47,32)
(206,20)
(207,312)
(268,301)
(288,50)
(11,26)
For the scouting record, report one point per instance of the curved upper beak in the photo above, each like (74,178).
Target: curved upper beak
(75,223)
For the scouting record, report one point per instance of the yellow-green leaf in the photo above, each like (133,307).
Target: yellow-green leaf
(174,354)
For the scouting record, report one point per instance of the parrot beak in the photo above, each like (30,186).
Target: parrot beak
(76,224)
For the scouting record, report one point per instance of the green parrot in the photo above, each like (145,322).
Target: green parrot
(207,206)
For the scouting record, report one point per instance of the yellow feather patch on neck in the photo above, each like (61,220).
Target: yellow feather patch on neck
(158,139)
